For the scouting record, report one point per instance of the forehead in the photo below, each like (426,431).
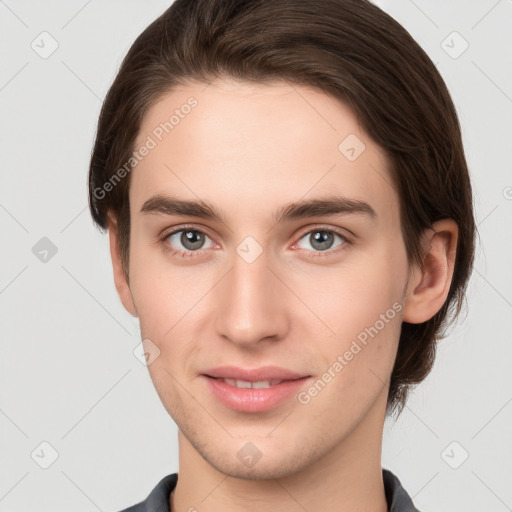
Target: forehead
(238,142)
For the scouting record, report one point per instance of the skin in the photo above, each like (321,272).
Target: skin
(242,143)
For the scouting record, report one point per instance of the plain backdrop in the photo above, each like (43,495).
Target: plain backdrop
(75,398)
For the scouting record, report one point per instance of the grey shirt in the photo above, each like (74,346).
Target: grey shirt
(158,500)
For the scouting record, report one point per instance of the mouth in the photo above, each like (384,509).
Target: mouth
(246,384)
(257,394)
(267,373)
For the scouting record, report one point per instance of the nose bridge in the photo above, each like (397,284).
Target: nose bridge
(247,307)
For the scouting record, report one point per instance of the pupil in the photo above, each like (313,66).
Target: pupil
(321,240)
(192,239)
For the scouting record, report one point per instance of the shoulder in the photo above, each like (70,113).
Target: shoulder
(397,497)
(158,498)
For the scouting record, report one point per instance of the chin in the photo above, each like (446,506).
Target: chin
(259,472)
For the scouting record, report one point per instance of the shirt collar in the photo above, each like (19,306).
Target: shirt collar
(158,500)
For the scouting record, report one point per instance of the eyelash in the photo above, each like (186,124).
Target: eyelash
(184,254)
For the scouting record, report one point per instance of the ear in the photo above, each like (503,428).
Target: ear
(428,286)
(120,279)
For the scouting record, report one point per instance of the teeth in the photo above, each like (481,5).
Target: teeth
(248,384)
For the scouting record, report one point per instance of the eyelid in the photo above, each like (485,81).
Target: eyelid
(176,229)
(327,227)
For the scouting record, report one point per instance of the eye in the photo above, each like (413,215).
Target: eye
(191,239)
(322,240)
(188,241)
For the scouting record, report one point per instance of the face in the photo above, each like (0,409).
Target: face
(252,281)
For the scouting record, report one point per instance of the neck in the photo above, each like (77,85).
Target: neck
(347,478)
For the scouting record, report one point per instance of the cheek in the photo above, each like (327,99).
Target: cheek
(163,293)
(361,305)
(354,294)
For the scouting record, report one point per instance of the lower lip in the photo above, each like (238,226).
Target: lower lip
(254,399)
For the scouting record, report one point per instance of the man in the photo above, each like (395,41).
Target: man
(290,218)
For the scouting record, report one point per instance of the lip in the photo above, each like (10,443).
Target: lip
(253,374)
(253,400)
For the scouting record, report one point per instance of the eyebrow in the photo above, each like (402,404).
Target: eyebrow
(331,205)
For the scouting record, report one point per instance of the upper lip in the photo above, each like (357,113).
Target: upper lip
(253,374)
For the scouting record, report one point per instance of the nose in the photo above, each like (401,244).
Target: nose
(252,304)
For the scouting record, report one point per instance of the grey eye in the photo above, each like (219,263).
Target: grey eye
(190,239)
(321,239)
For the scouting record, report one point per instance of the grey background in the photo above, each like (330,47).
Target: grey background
(68,375)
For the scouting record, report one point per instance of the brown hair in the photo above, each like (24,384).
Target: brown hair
(349,49)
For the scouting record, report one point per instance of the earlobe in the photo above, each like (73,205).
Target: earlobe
(428,286)
(120,280)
